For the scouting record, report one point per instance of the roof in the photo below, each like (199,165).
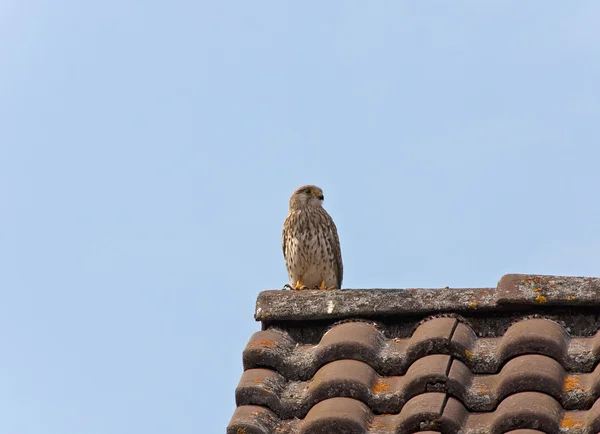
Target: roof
(519,358)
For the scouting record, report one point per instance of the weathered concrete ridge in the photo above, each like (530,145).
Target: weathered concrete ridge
(512,291)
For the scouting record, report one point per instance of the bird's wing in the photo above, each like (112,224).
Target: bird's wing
(337,251)
(283,243)
(337,254)
(286,229)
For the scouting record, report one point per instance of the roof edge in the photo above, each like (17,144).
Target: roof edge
(513,290)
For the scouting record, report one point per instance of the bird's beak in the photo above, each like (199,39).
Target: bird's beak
(321,197)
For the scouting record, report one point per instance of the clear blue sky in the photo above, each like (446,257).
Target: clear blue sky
(148,150)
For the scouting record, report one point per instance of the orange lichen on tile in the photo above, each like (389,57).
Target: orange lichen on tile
(537,290)
(573,384)
(533,279)
(376,425)
(484,292)
(541,299)
(380,386)
(473,305)
(258,380)
(571,298)
(263,343)
(469,355)
(482,389)
(571,422)
(241,431)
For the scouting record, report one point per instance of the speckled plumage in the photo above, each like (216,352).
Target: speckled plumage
(311,246)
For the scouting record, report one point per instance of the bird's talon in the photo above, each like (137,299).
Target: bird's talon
(298,286)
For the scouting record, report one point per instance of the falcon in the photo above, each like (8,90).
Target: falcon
(311,246)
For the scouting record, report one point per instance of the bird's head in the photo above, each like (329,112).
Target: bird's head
(307,196)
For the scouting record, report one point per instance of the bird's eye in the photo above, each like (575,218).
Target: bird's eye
(308,191)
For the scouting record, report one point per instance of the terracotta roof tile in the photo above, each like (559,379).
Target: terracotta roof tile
(342,378)
(472,361)
(433,411)
(528,336)
(353,340)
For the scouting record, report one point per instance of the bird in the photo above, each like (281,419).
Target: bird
(311,246)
